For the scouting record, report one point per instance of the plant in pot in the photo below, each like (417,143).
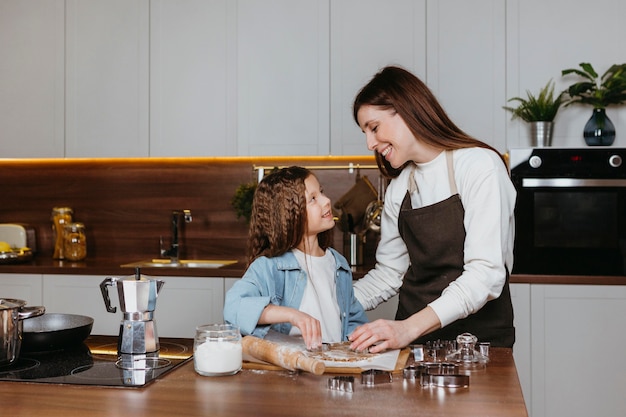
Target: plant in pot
(241,201)
(539,111)
(598,92)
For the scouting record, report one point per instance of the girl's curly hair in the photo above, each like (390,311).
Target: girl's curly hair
(279,217)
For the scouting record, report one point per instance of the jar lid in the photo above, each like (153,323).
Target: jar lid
(74,227)
(62,210)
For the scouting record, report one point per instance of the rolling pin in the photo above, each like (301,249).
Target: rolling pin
(282,356)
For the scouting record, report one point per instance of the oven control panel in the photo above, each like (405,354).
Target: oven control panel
(602,162)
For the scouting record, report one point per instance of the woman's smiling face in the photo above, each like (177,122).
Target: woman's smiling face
(388,134)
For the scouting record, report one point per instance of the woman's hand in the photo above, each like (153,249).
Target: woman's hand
(390,334)
(309,326)
(383,334)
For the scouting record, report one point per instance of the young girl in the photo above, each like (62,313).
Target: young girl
(295,282)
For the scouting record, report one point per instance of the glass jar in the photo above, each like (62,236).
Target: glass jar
(61,216)
(217,350)
(75,242)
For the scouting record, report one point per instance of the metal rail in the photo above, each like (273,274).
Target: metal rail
(350,167)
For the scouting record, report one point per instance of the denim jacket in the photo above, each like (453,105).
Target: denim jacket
(281,281)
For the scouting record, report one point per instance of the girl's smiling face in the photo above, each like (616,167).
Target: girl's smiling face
(318,208)
(388,134)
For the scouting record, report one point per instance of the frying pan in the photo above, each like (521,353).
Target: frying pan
(55,331)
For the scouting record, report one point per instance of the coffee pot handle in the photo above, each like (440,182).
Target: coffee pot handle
(105,294)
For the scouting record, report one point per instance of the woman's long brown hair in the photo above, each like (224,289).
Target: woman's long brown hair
(279,218)
(397,89)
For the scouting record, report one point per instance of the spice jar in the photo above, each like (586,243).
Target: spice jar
(61,216)
(74,242)
(217,350)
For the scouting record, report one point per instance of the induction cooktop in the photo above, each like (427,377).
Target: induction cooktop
(96,362)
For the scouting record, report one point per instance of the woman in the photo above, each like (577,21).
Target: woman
(447,228)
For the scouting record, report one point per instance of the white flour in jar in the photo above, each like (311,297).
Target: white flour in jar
(218,358)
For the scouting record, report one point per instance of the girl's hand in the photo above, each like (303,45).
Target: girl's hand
(309,326)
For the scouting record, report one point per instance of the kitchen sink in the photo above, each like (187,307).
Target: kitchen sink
(182,263)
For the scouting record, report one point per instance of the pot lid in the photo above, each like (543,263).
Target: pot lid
(9,303)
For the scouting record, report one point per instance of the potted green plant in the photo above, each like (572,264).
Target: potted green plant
(598,92)
(242,200)
(540,111)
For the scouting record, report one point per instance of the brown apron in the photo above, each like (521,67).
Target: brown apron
(435,236)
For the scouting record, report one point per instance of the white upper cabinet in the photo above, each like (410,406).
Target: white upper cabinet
(32,79)
(367,35)
(126,78)
(466,64)
(283,77)
(192,78)
(107,72)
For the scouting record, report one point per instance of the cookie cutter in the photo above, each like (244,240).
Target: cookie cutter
(418,352)
(446,381)
(436,374)
(433,368)
(341,383)
(373,377)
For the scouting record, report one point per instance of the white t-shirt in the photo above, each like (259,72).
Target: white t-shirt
(488,197)
(320,295)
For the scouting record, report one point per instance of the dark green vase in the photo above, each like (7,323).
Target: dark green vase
(599,130)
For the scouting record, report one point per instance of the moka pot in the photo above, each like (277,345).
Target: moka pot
(137,299)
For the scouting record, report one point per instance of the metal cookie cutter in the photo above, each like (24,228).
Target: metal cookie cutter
(373,377)
(447,381)
(413,372)
(341,383)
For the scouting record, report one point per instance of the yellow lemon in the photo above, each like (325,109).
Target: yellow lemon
(5,247)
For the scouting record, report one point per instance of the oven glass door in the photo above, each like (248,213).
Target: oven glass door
(571,227)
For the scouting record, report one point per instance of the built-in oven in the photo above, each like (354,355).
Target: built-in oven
(570,213)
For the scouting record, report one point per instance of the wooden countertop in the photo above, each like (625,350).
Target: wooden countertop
(494,391)
(111,267)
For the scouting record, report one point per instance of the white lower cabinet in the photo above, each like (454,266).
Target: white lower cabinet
(27,287)
(578,355)
(183,302)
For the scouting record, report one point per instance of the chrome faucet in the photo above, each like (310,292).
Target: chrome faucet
(179,218)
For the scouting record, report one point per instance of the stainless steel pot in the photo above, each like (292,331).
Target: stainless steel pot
(12,312)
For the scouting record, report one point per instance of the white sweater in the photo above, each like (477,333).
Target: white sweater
(488,197)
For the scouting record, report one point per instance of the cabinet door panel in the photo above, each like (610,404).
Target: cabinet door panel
(283,79)
(76,294)
(27,287)
(32,79)
(578,350)
(367,35)
(107,78)
(192,85)
(185,303)
(467,64)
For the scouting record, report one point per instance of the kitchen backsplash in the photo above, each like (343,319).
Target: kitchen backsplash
(126,203)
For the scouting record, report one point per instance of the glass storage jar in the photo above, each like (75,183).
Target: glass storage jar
(61,216)
(217,350)
(75,242)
